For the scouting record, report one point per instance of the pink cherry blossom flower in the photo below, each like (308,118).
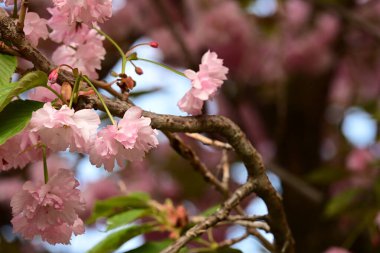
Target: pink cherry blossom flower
(85,56)
(63,128)
(209,78)
(129,140)
(49,210)
(86,11)
(190,104)
(205,83)
(43,94)
(19,150)
(336,250)
(35,28)
(65,31)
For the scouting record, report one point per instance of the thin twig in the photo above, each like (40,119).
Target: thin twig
(233,241)
(183,150)
(207,141)
(22,14)
(226,169)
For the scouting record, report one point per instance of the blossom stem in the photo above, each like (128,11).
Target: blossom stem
(162,65)
(101,100)
(123,57)
(46,173)
(55,93)
(75,90)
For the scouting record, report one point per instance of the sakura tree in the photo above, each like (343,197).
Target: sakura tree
(281,82)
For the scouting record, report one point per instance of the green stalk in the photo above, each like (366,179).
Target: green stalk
(46,173)
(55,93)
(122,54)
(163,66)
(101,100)
(75,90)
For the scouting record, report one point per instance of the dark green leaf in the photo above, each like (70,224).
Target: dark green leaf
(151,247)
(15,116)
(8,65)
(341,202)
(27,82)
(109,207)
(117,239)
(125,218)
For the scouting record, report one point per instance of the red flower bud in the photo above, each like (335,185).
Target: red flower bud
(154,44)
(139,71)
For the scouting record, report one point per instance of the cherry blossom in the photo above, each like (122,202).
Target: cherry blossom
(19,150)
(129,140)
(86,11)
(63,128)
(49,210)
(65,31)
(43,94)
(205,83)
(85,56)
(35,28)
(191,104)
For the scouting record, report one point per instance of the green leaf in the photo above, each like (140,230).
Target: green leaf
(27,82)
(109,207)
(8,65)
(210,210)
(115,240)
(325,175)
(151,247)
(125,218)
(341,202)
(15,117)
(144,92)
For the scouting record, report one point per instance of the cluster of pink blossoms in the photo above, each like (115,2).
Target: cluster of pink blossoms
(65,128)
(127,141)
(49,210)
(205,83)
(71,24)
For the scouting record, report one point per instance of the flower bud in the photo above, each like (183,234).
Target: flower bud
(154,44)
(53,76)
(139,71)
(66,91)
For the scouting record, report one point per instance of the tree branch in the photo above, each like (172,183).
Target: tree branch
(257,180)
